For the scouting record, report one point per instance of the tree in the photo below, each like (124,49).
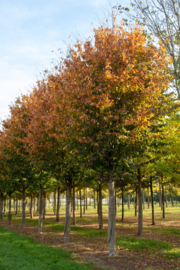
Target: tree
(116,84)
(162,19)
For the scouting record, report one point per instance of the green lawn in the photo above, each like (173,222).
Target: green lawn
(24,253)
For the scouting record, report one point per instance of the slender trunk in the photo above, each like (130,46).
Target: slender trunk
(9,212)
(80,203)
(58,204)
(31,206)
(54,207)
(128,197)
(16,211)
(160,196)
(23,208)
(84,201)
(122,217)
(94,199)
(172,200)
(77,201)
(143,199)
(176,200)
(67,226)
(163,206)
(135,203)
(140,210)
(97,203)
(152,201)
(37,204)
(34,204)
(44,204)
(148,198)
(40,222)
(111,216)
(19,206)
(4,206)
(74,206)
(115,201)
(100,208)
(1,207)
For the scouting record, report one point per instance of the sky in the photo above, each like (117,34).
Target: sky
(31,30)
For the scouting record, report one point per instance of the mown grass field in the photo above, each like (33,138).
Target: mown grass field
(158,248)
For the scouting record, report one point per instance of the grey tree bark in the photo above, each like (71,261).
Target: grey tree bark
(4,212)
(84,201)
(9,212)
(80,203)
(54,205)
(1,207)
(152,200)
(16,211)
(31,206)
(163,206)
(128,200)
(23,208)
(111,216)
(140,209)
(135,207)
(67,226)
(40,222)
(74,206)
(94,199)
(58,204)
(100,208)
(122,217)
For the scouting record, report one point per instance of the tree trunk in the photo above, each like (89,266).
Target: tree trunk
(128,197)
(122,217)
(94,199)
(16,211)
(34,204)
(100,208)
(1,207)
(31,206)
(80,203)
(84,201)
(40,222)
(77,202)
(67,225)
(163,206)
(143,199)
(111,217)
(135,203)
(23,208)
(172,200)
(44,204)
(74,206)
(54,206)
(9,212)
(152,201)
(148,198)
(140,210)
(160,196)
(58,204)
(4,206)
(97,202)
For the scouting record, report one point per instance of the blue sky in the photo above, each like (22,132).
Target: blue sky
(31,30)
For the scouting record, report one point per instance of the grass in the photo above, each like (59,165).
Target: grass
(19,252)
(24,256)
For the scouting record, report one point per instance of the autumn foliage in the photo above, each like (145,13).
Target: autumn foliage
(106,95)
